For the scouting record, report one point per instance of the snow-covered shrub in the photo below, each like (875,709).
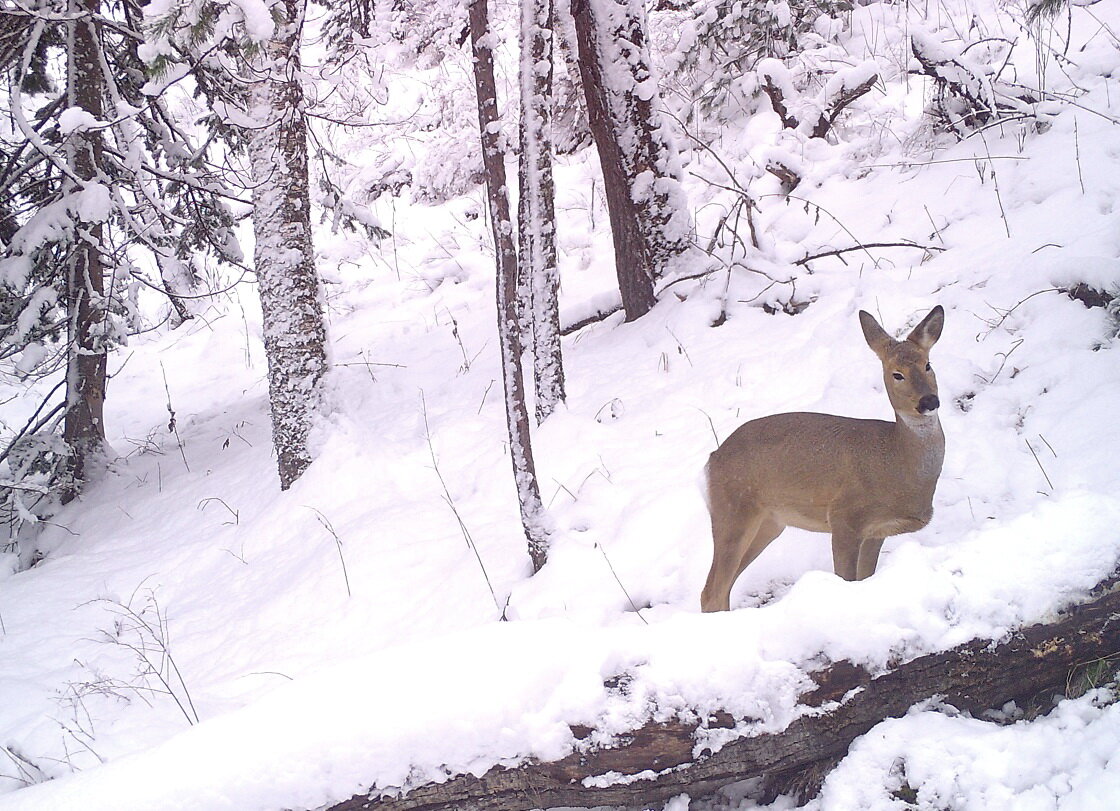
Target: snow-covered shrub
(420,132)
(969,89)
(450,167)
(721,43)
(33,470)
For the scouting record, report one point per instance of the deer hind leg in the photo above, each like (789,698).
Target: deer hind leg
(767,531)
(733,534)
(868,557)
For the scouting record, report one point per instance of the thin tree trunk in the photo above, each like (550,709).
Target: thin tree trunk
(294,331)
(538,273)
(178,281)
(509,332)
(84,425)
(645,200)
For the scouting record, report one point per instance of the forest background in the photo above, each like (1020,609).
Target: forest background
(260,401)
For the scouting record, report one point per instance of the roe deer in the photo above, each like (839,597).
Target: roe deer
(861,480)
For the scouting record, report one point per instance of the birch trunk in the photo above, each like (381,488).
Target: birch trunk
(84,425)
(509,333)
(641,172)
(294,331)
(538,274)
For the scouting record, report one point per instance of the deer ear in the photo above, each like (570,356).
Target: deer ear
(926,333)
(875,335)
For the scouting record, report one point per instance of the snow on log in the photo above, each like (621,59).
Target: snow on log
(657,761)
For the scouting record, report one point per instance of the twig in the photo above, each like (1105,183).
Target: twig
(370,363)
(1077,155)
(31,426)
(1048,445)
(240,558)
(680,346)
(270,673)
(995,186)
(936,230)
(337,542)
(706,147)
(451,503)
(691,277)
(157,635)
(624,591)
(1067,99)
(1039,463)
(617,409)
(165,645)
(835,219)
(171,424)
(41,489)
(467,360)
(81,742)
(484,394)
(30,773)
(237,432)
(993,325)
(864,247)
(711,424)
(236,517)
(912,164)
(1005,355)
(561,486)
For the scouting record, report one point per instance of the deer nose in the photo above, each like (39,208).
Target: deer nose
(928,403)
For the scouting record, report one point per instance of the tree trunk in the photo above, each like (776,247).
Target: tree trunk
(87,310)
(294,331)
(509,332)
(1035,663)
(179,284)
(538,274)
(645,200)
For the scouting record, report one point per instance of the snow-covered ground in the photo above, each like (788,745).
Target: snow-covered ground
(347,632)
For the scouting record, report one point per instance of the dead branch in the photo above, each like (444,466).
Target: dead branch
(807,259)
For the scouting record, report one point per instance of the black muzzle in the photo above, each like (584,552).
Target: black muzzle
(928,403)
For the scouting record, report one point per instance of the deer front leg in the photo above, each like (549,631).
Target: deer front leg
(845,547)
(868,557)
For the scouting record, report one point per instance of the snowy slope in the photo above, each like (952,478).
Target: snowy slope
(345,633)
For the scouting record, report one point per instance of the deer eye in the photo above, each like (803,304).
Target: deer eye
(898,376)
(929,368)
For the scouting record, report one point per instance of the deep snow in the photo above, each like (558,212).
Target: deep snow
(343,634)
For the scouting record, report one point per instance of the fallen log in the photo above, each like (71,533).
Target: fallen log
(656,762)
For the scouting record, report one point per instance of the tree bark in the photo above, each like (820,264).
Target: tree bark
(177,283)
(539,279)
(645,200)
(509,331)
(294,330)
(1036,662)
(87,308)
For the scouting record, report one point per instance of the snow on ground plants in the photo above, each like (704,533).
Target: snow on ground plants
(347,633)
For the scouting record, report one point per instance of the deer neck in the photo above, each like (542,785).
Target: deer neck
(921,443)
